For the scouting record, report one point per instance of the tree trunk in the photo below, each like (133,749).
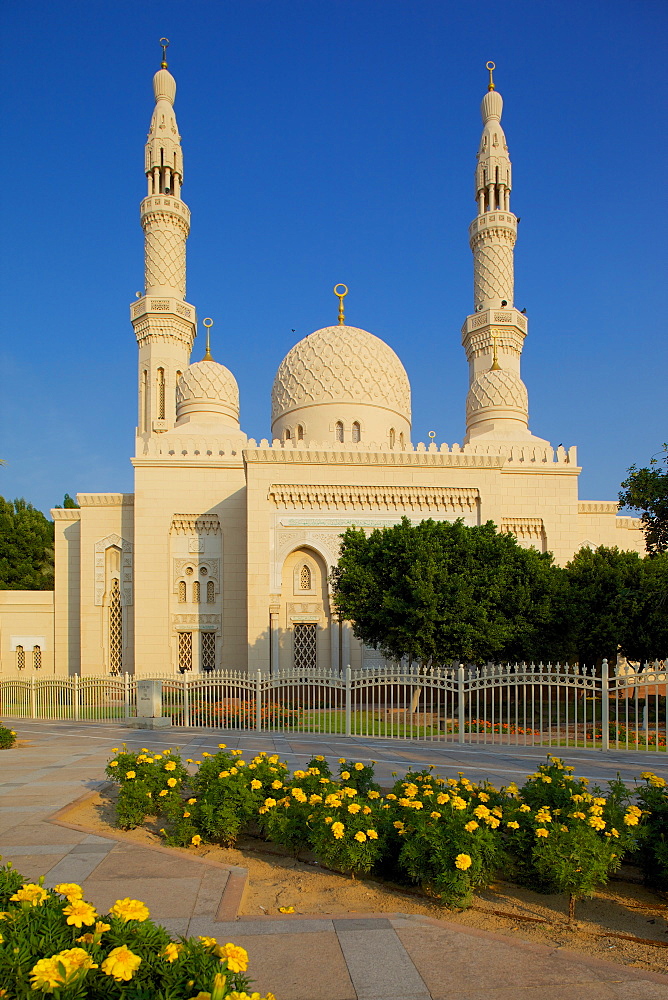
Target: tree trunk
(571,907)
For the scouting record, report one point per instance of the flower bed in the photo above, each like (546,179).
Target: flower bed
(449,836)
(53,942)
(7,737)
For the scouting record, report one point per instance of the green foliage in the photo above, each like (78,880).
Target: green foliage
(148,783)
(68,503)
(7,738)
(646,490)
(652,850)
(344,831)
(357,775)
(26,547)
(437,592)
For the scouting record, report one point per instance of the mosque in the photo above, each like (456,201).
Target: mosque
(220,558)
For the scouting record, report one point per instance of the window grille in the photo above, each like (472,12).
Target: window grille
(392,437)
(196,592)
(161,393)
(305,578)
(115,630)
(357,432)
(185,651)
(182,591)
(20,657)
(37,657)
(300,432)
(339,431)
(144,401)
(401,440)
(210,592)
(208,651)
(305,647)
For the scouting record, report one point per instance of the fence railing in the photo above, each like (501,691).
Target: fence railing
(560,705)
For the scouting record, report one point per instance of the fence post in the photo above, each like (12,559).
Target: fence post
(258,700)
(605,707)
(186,700)
(75,696)
(349,699)
(126,694)
(460,701)
(33,699)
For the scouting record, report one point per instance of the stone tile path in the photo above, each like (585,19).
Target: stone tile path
(365,957)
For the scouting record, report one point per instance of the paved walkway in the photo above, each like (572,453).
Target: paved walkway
(366,957)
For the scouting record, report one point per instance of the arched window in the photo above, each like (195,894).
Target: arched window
(305,578)
(20,657)
(176,391)
(196,592)
(210,593)
(208,658)
(392,437)
(144,401)
(161,393)
(288,435)
(300,432)
(401,440)
(357,433)
(185,651)
(115,629)
(37,657)
(182,591)
(339,431)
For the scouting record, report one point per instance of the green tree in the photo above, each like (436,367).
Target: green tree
(647,490)
(437,592)
(26,547)
(617,602)
(68,502)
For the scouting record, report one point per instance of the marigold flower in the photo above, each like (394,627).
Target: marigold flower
(277,784)
(196,840)
(342,760)
(171,765)
(483,796)
(470,827)
(208,942)
(463,861)
(359,767)
(78,913)
(398,824)
(224,774)
(360,836)
(113,763)
(162,793)
(373,794)
(47,974)
(222,746)
(541,832)
(441,798)
(597,823)
(525,808)
(255,784)
(513,825)
(172,782)
(130,909)
(130,774)
(69,889)
(338,830)
(234,770)
(172,951)
(630,819)
(354,807)
(492,822)
(121,964)
(435,815)
(32,893)
(458,802)
(372,835)
(481,812)
(345,775)
(235,956)
(191,802)
(76,959)
(314,799)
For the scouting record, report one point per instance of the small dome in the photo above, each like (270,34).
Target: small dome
(492,106)
(164,86)
(341,364)
(207,389)
(498,389)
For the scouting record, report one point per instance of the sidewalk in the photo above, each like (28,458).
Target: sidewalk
(362,957)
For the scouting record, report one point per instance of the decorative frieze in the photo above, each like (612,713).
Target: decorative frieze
(524,527)
(598,507)
(399,498)
(192,524)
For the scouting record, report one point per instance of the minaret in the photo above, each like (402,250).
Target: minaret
(497,402)
(164,323)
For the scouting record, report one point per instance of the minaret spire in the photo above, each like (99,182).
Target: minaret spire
(164,324)
(493,336)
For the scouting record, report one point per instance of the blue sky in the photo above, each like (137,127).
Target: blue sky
(327,141)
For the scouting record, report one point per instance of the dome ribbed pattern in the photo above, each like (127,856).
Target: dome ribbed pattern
(497,389)
(164,86)
(341,364)
(207,381)
(492,106)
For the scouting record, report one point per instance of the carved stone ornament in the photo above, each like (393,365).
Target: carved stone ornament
(126,568)
(190,524)
(405,499)
(180,568)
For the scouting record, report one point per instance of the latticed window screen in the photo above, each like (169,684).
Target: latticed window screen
(357,432)
(339,431)
(37,657)
(20,657)
(391,437)
(115,629)
(305,578)
(182,591)
(208,651)
(210,592)
(305,647)
(161,393)
(185,651)
(196,592)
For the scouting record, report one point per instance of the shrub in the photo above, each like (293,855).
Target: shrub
(7,738)
(652,850)
(357,775)
(56,943)
(146,782)
(345,829)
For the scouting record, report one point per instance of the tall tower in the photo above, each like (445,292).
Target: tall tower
(493,336)
(164,323)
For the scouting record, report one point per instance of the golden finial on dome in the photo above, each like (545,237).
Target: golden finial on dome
(496,367)
(165,45)
(208,323)
(491,67)
(341,296)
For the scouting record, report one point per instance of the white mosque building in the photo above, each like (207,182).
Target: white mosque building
(221,557)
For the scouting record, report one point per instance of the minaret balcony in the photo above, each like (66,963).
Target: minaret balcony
(493,220)
(506,317)
(152,305)
(165,203)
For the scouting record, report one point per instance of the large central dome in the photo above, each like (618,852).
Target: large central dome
(341,375)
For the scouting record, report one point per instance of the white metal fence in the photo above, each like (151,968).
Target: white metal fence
(558,705)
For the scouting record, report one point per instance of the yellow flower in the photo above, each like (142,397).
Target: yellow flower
(172,951)
(238,753)
(286,909)
(463,861)
(269,803)
(186,815)
(113,763)
(373,795)
(299,775)
(255,784)
(657,782)
(546,779)
(314,799)
(205,754)
(441,798)
(171,782)
(597,823)
(33,894)
(196,840)
(360,836)
(191,802)
(170,765)
(541,832)
(224,774)
(342,760)
(614,832)
(513,825)
(121,964)
(577,815)
(372,835)
(235,956)
(76,959)
(234,770)
(47,974)
(130,909)
(162,793)
(222,746)
(458,802)
(630,819)
(359,767)
(337,830)
(481,812)
(354,807)
(208,942)
(277,784)
(115,750)
(492,822)
(345,775)
(525,809)
(435,815)
(410,789)
(69,889)
(483,796)
(130,774)
(470,827)
(78,913)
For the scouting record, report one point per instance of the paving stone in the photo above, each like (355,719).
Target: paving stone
(165,897)
(74,868)
(298,967)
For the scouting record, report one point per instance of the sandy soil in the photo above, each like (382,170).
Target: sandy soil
(624,922)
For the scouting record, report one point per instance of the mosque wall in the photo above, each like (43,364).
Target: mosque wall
(26,632)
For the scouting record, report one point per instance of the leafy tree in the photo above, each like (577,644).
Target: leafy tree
(617,601)
(68,502)
(647,490)
(437,592)
(26,547)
